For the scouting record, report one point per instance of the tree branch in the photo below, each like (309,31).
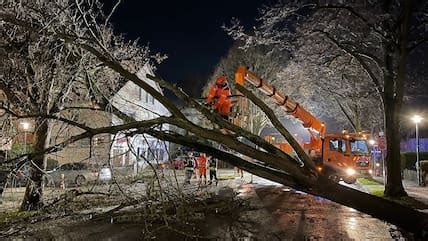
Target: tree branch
(256,169)
(382,34)
(217,119)
(416,44)
(308,164)
(364,65)
(47,116)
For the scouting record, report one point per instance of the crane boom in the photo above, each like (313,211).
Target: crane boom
(313,124)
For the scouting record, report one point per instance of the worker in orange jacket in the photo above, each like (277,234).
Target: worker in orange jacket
(219,96)
(202,167)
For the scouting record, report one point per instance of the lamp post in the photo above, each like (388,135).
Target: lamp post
(417,119)
(25,127)
(372,144)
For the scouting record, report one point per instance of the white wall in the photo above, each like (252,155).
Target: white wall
(136,102)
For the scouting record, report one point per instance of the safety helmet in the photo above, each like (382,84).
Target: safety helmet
(221,80)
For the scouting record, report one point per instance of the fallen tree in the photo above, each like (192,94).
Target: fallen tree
(268,161)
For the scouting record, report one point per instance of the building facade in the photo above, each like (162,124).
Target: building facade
(137,103)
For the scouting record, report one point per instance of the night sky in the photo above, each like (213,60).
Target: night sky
(188,31)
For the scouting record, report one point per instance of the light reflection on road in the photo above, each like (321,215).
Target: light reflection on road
(300,216)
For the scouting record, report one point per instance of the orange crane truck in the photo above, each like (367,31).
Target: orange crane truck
(340,156)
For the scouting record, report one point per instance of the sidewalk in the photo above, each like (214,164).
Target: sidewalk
(412,189)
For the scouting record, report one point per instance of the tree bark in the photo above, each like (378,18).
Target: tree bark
(33,193)
(394,91)
(394,186)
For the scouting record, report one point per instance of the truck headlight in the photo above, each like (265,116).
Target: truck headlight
(350,172)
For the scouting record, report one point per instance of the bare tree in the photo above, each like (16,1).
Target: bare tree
(46,78)
(375,35)
(270,163)
(314,81)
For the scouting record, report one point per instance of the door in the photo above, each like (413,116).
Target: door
(334,151)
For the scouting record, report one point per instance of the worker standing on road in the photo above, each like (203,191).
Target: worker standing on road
(219,96)
(189,165)
(212,165)
(202,167)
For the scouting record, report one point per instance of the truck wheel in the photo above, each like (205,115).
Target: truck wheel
(334,177)
(80,180)
(350,180)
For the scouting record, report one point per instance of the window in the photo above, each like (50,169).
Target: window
(140,94)
(337,145)
(98,141)
(334,145)
(85,142)
(359,146)
(66,167)
(150,99)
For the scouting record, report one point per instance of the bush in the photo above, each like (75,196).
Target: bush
(19,149)
(424,165)
(408,159)
(403,161)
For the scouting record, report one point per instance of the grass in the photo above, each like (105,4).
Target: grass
(14,216)
(374,188)
(377,189)
(365,181)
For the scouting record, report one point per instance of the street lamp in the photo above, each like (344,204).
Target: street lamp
(25,126)
(417,119)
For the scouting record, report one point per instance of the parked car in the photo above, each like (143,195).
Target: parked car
(76,173)
(105,174)
(178,162)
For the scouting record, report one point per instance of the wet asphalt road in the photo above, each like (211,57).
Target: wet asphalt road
(295,215)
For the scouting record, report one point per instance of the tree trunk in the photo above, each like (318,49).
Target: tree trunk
(394,185)
(394,91)
(33,193)
(387,210)
(392,212)
(358,126)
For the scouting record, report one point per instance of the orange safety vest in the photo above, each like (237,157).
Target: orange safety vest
(222,102)
(202,162)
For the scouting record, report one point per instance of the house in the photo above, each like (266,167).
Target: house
(120,150)
(95,150)
(135,102)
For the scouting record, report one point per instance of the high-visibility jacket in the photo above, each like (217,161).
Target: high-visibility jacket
(202,162)
(220,96)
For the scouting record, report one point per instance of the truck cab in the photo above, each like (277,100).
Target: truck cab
(345,156)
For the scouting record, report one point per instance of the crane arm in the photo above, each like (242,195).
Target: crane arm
(290,106)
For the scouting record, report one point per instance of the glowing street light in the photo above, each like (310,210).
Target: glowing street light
(25,126)
(417,119)
(372,142)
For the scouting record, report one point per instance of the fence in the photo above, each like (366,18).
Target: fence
(410,175)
